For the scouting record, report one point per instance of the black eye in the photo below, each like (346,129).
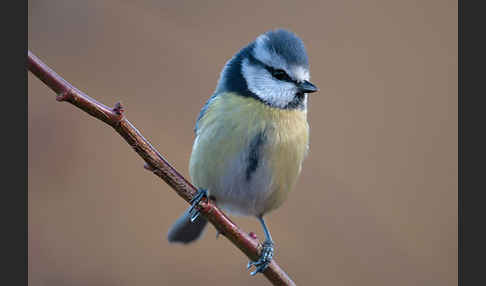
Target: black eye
(280,74)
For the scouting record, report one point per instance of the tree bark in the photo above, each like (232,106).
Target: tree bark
(155,162)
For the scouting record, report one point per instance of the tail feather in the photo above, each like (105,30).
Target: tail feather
(185,231)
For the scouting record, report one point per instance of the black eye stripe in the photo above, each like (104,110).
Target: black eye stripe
(278,74)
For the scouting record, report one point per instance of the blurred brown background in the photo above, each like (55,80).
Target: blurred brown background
(376,203)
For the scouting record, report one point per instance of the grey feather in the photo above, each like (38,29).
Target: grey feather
(185,231)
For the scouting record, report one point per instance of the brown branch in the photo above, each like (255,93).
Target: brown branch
(154,162)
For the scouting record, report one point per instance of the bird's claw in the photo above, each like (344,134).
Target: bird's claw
(265,258)
(194,202)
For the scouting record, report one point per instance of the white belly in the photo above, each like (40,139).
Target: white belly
(238,194)
(222,154)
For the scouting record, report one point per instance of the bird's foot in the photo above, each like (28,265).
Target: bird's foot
(265,258)
(194,202)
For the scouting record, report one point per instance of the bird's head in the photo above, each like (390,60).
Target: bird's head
(273,69)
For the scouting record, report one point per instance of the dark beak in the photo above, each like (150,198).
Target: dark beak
(307,87)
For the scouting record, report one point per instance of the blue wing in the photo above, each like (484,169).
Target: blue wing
(203,111)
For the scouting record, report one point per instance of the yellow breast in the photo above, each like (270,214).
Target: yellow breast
(226,130)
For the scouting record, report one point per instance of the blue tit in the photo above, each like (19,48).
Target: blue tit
(251,136)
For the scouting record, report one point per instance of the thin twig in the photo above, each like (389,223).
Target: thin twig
(154,162)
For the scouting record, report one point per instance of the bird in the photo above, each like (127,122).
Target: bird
(251,136)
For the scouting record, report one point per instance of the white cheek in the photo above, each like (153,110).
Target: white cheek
(261,83)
